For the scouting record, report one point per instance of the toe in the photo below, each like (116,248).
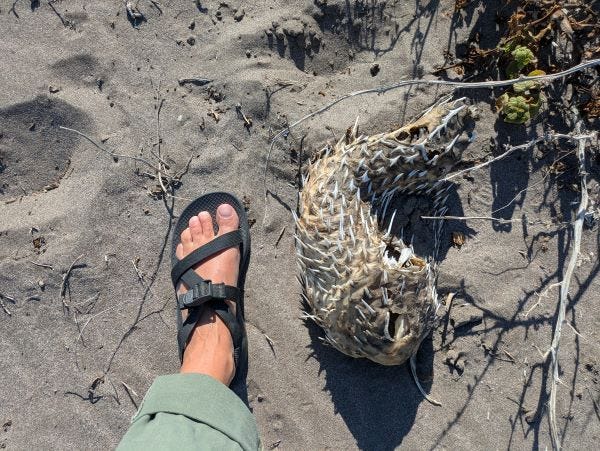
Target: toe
(179,251)
(207,225)
(195,229)
(186,238)
(227,218)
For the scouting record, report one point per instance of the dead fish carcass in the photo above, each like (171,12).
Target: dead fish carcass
(366,287)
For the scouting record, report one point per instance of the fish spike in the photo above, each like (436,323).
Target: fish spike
(355,128)
(368,307)
(352,237)
(451,144)
(362,315)
(389,230)
(384,296)
(351,185)
(386,327)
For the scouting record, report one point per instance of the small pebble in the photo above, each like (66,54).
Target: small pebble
(374,69)
(239,15)
(248,53)
(191,40)
(451,356)
(279,34)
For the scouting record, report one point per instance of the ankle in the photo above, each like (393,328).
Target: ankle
(210,349)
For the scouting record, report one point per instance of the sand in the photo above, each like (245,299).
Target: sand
(74,367)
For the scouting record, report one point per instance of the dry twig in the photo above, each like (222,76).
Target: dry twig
(130,391)
(510,149)
(115,156)
(194,81)
(468,218)
(280,236)
(65,280)
(3,304)
(271,343)
(566,282)
(456,84)
(42,265)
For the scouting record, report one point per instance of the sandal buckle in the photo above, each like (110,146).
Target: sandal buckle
(198,295)
(203,292)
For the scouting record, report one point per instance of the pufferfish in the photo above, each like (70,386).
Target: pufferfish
(370,292)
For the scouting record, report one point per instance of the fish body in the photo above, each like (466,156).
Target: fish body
(370,292)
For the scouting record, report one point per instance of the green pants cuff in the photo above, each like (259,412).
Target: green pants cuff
(191,411)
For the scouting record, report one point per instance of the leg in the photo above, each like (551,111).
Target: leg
(194,409)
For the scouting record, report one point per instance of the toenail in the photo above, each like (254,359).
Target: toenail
(194,221)
(225,211)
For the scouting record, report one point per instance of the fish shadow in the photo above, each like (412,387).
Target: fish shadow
(413,223)
(378,403)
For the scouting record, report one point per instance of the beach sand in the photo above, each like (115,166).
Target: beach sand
(74,368)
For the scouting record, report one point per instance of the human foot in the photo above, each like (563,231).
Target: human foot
(210,348)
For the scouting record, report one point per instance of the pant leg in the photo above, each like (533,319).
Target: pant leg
(191,411)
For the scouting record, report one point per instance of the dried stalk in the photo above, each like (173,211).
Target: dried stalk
(63,285)
(510,149)
(105,150)
(566,282)
(468,218)
(455,84)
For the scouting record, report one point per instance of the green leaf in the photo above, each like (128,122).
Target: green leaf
(516,110)
(523,56)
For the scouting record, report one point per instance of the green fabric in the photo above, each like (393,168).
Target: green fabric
(191,411)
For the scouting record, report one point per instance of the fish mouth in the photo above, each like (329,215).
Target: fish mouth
(396,326)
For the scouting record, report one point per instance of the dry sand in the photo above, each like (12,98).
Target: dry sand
(64,371)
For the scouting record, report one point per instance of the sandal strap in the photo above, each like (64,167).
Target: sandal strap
(223,311)
(206,291)
(184,267)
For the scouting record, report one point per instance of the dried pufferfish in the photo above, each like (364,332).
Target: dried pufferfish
(372,295)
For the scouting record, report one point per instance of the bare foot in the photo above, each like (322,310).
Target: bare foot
(210,348)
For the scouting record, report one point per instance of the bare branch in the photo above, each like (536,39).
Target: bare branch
(566,282)
(456,84)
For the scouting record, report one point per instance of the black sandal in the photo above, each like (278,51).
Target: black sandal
(203,292)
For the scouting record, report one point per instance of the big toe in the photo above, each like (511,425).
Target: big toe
(227,218)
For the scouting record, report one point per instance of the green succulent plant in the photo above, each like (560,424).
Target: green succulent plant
(521,58)
(518,109)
